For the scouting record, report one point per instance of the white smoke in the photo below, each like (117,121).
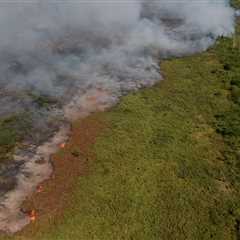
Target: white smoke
(112,43)
(85,55)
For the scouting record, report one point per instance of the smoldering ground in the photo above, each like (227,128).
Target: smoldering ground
(64,59)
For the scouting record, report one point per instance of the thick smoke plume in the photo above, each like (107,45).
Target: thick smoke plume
(56,48)
(81,56)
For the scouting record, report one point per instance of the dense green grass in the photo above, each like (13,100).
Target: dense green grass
(167,167)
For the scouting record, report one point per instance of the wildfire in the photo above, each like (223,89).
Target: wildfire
(32,215)
(39,189)
(92,98)
(62,145)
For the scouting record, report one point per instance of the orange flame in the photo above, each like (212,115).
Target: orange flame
(39,189)
(62,145)
(92,98)
(32,215)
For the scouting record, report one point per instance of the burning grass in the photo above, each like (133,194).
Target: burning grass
(166,167)
(59,70)
(46,205)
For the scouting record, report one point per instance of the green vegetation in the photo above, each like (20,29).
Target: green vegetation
(43,101)
(235,3)
(168,165)
(12,130)
(228,122)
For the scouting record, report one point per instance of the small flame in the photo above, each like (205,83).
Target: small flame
(62,145)
(39,189)
(32,215)
(92,98)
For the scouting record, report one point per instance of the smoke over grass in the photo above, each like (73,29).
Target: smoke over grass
(62,59)
(58,48)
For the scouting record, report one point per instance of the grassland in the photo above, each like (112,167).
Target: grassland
(167,166)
